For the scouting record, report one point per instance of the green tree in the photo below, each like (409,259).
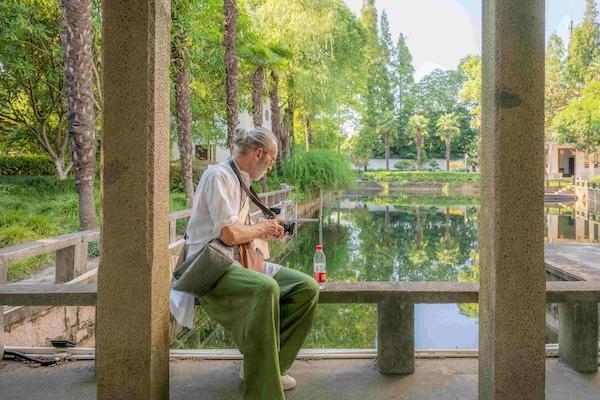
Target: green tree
(558,92)
(320,80)
(385,100)
(180,11)
(470,95)
(584,45)
(448,129)
(404,80)
(230,15)
(438,93)
(32,87)
(417,125)
(579,123)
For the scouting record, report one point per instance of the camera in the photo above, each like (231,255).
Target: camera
(288,226)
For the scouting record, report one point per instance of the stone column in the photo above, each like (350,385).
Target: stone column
(395,337)
(512,294)
(133,282)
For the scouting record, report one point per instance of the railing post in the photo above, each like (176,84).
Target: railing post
(3,279)
(578,335)
(172,230)
(395,337)
(71,262)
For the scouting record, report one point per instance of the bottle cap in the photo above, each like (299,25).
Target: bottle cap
(319,247)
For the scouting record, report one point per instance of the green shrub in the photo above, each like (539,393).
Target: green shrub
(434,164)
(176,174)
(405,165)
(309,171)
(29,164)
(405,177)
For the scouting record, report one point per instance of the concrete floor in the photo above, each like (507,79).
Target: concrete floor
(437,379)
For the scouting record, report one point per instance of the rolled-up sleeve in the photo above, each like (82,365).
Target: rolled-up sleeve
(222,203)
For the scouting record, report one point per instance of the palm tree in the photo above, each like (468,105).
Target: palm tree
(386,126)
(447,129)
(183,111)
(77,44)
(418,126)
(263,56)
(231,67)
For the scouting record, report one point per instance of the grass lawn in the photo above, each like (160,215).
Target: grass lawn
(406,177)
(33,208)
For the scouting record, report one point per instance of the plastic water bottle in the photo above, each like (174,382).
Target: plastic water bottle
(319,265)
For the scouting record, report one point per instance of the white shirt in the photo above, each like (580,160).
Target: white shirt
(217,204)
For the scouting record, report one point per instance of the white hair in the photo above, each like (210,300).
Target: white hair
(258,137)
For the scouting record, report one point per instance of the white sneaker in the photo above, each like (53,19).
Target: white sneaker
(287,382)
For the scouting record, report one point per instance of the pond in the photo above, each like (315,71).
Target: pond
(399,238)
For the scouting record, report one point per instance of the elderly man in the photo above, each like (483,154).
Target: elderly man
(269,311)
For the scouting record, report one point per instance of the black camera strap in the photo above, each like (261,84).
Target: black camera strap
(250,192)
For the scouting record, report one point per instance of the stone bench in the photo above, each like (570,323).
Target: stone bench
(578,312)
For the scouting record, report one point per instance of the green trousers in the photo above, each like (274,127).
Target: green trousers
(268,318)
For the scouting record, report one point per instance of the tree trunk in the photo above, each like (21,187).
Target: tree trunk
(77,44)
(275,115)
(183,110)
(448,143)
(308,133)
(419,230)
(288,120)
(418,142)
(62,170)
(258,80)
(386,140)
(231,67)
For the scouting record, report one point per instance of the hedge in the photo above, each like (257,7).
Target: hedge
(29,164)
(176,175)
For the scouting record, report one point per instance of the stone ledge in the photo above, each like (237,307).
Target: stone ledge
(361,292)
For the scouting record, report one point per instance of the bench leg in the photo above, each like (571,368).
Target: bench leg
(578,335)
(396,338)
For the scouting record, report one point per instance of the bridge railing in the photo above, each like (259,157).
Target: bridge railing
(578,311)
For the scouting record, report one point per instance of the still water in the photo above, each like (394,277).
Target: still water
(400,238)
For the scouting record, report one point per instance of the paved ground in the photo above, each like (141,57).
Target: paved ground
(578,260)
(324,379)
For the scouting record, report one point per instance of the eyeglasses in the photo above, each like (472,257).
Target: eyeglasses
(271,159)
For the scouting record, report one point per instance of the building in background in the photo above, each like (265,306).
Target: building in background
(216,153)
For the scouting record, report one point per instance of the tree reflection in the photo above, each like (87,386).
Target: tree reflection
(404,238)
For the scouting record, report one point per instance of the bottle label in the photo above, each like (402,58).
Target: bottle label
(321,277)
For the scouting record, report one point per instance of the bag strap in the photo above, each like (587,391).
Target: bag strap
(250,192)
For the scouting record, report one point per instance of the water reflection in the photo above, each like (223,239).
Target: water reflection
(400,238)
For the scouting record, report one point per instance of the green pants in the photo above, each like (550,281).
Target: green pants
(268,318)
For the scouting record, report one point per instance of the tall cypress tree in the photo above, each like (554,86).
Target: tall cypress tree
(584,46)
(404,79)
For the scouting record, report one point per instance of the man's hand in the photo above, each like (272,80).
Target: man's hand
(272,229)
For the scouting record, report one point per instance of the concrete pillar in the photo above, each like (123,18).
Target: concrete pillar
(133,282)
(512,294)
(395,337)
(71,262)
(552,228)
(578,335)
